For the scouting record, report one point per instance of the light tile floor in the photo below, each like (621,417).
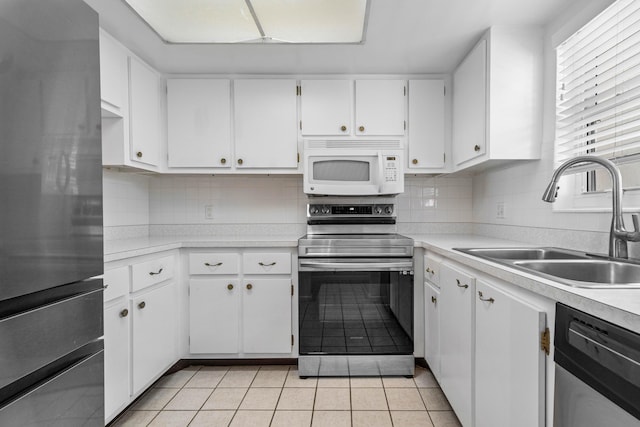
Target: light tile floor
(256,396)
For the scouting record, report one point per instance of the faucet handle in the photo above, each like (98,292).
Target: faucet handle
(636,222)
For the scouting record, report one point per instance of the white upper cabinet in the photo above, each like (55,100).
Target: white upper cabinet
(426,133)
(199,123)
(113,76)
(470,105)
(497,99)
(326,107)
(265,123)
(380,107)
(144,96)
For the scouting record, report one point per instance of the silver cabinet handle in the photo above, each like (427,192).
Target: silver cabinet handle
(491,300)
(124,313)
(460,285)
(267,265)
(218,264)
(249,286)
(434,300)
(142,305)
(151,273)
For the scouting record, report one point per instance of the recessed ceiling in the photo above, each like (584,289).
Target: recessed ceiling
(403,36)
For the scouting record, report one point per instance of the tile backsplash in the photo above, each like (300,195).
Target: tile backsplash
(269,204)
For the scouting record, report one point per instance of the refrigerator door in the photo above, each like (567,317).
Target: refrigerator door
(50,145)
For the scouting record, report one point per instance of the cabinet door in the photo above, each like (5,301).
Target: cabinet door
(145,113)
(116,358)
(199,122)
(470,105)
(113,76)
(214,315)
(154,334)
(510,366)
(432,328)
(457,307)
(326,107)
(426,124)
(380,107)
(266,316)
(265,124)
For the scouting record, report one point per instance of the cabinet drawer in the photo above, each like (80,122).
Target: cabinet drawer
(267,263)
(432,269)
(151,272)
(213,263)
(116,283)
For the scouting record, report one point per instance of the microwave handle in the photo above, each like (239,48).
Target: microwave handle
(380,172)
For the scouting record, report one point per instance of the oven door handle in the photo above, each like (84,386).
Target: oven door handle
(355,266)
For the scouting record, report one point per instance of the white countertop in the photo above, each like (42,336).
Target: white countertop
(619,306)
(126,248)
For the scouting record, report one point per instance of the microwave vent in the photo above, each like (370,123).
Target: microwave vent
(351,144)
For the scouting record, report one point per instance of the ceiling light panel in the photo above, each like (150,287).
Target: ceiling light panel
(198,21)
(312,21)
(231,21)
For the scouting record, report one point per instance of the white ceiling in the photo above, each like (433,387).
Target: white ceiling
(403,37)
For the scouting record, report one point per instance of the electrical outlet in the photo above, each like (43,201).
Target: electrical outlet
(208,212)
(500,211)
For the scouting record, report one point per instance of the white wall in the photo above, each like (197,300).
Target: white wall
(520,186)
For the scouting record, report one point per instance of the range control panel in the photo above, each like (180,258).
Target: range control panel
(315,210)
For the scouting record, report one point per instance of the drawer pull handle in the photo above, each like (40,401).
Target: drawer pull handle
(414,161)
(240,161)
(361,128)
(139,154)
(343,128)
(476,148)
(230,286)
(434,300)
(142,305)
(429,270)
(267,265)
(249,286)
(151,273)
(461,285)
(217,264)
(491,300)
(124,313)
(223,160)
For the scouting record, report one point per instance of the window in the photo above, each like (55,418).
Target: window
(598,103)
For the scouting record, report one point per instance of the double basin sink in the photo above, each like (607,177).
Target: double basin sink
(573,268)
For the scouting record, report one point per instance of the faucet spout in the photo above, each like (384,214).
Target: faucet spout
(618,235)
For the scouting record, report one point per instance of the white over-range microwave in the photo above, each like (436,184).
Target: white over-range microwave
(353,168)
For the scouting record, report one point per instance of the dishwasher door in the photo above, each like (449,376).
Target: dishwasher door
(597,372)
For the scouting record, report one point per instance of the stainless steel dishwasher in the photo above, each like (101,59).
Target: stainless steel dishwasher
(597,372)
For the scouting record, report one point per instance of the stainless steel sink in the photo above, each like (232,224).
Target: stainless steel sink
(525,253)
(573,268)
(587,273)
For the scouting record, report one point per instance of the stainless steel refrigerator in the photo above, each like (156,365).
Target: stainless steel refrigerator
(51,348)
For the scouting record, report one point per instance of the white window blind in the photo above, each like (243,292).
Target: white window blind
(598,104)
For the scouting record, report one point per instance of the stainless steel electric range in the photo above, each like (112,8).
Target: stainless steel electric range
(355,293)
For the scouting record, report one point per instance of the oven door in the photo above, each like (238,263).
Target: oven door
(356,306)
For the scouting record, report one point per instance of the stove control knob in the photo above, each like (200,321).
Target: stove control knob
(325,210)
(313,210)
(388,209)
(377,210)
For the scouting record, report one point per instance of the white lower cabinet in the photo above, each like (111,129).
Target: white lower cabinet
(457,315)
(214,315)
(510,366)
(492,367)
(116,357)
(266,316)
(432,328)
(241,305)
(154,327)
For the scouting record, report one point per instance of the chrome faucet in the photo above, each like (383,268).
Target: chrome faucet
(618,236)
